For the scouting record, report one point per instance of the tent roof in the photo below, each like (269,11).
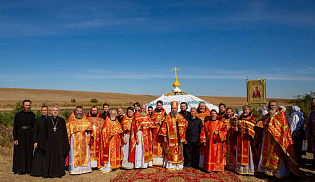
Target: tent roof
(192,101)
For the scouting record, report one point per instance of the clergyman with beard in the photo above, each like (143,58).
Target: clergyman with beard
(274,145)
(23,139)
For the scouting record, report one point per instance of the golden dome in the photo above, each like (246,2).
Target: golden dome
(176,83)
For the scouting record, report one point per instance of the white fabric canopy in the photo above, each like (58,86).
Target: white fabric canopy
(192,101)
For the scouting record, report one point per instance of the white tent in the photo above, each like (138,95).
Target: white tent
(192,101)
(179,96)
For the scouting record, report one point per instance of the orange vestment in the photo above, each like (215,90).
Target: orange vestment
(204,116)
(214,160)
(112,134)
(230,142)
(142,123)
(246,134)
(97,124)
(278,143)
(158,150)
(174,129)
(78,128)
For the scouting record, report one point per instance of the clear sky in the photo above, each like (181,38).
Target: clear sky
(131,46)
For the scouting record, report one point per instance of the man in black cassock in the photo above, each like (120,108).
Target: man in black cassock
(39,143)
(23,139)
(57,145)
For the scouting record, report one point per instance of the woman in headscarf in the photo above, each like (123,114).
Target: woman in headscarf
(297,130)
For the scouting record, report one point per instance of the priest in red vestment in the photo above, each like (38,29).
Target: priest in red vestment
(96,119)
(229,145)
(158,117)
(111,139)
(212,135)
(274,144)
(245,135)
(141,139)
(203,113)
(173,130)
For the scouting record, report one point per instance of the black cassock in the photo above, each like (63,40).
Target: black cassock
(38,158)
(23,132)
(57,147)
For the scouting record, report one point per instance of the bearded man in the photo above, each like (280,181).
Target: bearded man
(141,139)
(230,120)
(112,137)
(222,110)
(126,126)
(79,134)
(23,139)
(57,145)
(203,113)
(274,145)
(212,135)
(173,130)
(150,110)
(97,121)
(245,135)
(158,117)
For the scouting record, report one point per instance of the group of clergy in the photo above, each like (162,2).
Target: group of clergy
(201,138)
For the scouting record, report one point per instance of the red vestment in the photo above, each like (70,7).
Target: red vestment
(278,143)
(204,116)
(214,160)
(174,129)
(77,128)
(143,124)
(111,137)
(158,119)
(97,123)
(230,142)
(246,134)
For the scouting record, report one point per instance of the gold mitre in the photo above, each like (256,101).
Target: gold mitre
(174,104)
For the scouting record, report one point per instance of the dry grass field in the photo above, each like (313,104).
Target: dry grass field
(10,96)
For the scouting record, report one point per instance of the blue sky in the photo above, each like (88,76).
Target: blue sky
(131,46)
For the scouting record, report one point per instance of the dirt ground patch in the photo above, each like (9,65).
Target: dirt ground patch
(6,174)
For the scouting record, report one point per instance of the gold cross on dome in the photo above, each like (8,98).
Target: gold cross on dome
(175,72)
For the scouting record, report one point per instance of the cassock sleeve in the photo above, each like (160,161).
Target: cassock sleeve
(35,131)
(309,126)
(66,146)
(163,129)
(223,132)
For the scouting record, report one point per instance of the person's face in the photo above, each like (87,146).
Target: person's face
(106,108)
(193,113)
(27,106)
(120,111)
(112,114)
(183,107)
(229,113)
(94,111)
(213,115)
(174,110)
(202,107)
(55,111)
(150,110)
(136,107)
(273,105)
(130,113)
(246,111)
(222,108)
(44,111)
(79,111)
(159,106)
(256,88)
(143,109)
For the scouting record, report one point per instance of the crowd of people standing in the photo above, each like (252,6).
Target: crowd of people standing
(144,137)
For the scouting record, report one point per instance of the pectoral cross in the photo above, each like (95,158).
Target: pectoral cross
(54,128)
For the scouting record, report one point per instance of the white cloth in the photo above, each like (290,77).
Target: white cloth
(126,149)
(106,168)
(294,122)
(82,169)
(139,156)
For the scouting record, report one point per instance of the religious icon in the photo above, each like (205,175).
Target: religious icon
(256,93)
